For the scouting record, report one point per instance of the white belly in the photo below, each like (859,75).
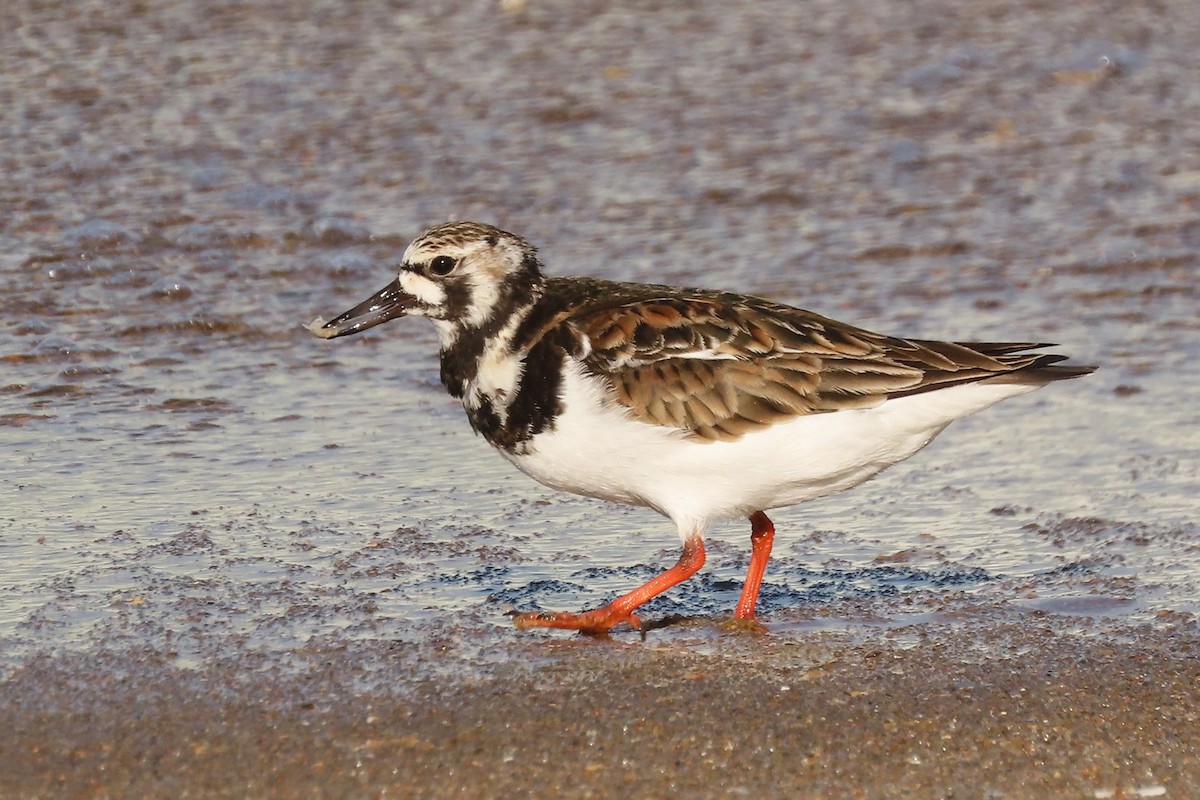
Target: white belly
(600,451)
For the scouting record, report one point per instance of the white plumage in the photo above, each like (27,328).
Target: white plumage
(599,450)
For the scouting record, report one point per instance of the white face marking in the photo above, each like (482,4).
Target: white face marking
(485,267)
(485,291)
(425,290)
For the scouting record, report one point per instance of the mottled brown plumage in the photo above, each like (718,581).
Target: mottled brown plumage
(718,365)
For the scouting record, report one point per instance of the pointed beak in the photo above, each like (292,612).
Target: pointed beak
(388,303)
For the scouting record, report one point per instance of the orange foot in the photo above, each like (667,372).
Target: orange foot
(605,618)
(597,621)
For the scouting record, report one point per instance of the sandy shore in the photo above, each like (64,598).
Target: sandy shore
(999,710)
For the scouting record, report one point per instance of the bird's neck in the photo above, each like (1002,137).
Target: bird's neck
(471,354)
(507,375)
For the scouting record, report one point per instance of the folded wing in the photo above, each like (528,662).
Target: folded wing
(719,366)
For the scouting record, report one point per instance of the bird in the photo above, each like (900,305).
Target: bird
(702,405)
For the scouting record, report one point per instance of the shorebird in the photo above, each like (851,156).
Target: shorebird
(702,405)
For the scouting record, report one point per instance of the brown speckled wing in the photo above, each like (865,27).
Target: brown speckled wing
(719,366)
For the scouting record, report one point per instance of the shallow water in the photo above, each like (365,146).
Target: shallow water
(185,468)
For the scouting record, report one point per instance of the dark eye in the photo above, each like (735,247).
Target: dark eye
(442,265)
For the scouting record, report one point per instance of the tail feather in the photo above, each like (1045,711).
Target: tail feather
(1005,348)
(1002,362)
(1044,369)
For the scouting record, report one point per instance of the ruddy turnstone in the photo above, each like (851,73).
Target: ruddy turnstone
(703,405)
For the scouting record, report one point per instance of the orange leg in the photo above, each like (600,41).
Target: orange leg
(600,620)
(762,536)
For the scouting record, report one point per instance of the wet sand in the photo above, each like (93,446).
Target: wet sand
(1005,710)
(239,562)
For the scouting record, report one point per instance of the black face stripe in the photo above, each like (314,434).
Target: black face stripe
(458,299)
(518,290)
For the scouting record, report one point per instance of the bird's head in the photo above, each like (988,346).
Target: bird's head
(460,275)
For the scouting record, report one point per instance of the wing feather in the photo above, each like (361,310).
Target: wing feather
(718,366)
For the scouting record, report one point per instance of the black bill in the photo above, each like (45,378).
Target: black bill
(388,303)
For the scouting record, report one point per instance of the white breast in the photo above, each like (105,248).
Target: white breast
(597,449)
